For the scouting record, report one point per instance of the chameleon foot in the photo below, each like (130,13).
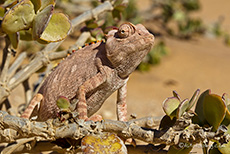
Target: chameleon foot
(95,118)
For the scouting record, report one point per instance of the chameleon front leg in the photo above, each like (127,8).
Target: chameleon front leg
(121,103)
(122,109)
(86,87)
(32,106)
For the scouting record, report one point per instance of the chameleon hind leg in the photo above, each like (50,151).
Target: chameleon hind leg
(34,103)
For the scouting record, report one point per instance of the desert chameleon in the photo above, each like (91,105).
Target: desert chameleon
(93,73)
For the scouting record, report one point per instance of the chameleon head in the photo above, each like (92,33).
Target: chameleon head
(127,46)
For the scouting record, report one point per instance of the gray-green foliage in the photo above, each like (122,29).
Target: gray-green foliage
(33,20)
(175,17)
(211,112)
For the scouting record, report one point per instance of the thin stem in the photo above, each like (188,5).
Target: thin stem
(28,91)
(5,61)
(13,68)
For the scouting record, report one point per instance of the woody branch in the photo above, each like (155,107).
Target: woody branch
(43,57)
(14,128)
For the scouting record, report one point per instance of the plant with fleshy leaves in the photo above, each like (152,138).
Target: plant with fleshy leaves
(211,112)
(107,142)
(33,20)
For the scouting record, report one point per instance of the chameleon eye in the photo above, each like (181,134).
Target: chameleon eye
(122,33)
(125,30)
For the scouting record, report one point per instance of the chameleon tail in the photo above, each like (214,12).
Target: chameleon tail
(33,103)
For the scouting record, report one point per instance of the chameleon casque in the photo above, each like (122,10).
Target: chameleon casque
(93,73)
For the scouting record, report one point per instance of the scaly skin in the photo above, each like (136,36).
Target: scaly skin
(93,73)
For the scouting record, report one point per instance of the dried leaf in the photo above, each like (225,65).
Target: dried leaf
(103,143)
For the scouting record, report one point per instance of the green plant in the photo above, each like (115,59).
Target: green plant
(211,112)
(174,16)
(33,20)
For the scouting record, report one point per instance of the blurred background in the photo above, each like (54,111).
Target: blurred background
(192,49)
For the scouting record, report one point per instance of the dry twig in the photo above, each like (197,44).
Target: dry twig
(14,129)
(42,58)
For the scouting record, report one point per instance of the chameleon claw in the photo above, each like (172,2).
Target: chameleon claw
(95,118)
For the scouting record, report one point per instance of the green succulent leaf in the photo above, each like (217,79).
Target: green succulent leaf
(41,21)
(224,148)
(117,3)
(182,108)
(193,99)
(42,41)
(226,100)
(174,150)
(170,106)
(120,8)
(214,110)
(199,108)
(166,122)
(106,142)
(226,120)
(116,14)
(2,12)
(98,33)
(58,28)
(45,3)
(37,4)
(63,102)
(214,150)
(18,17)
(9,3)
(175,94)
(91,24)
(14,39)
(25,35)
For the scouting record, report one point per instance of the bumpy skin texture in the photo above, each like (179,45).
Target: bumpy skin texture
(93,73)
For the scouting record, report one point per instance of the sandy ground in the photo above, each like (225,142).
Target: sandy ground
(202,63)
